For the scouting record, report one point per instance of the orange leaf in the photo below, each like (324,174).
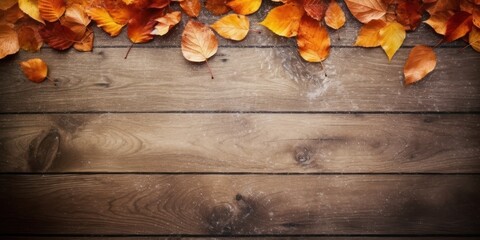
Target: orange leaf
(458,25)
(409,13)
(191,7)
(76,13)
(365,11)
(233,26)
(244,7)
(165,23)
(438,21)
(369,35)
(8,41)
(284,20)
(217,7)
(35,70)
(6,4)
(86,43)
(11,15)
(476,16)
(420,62)
(198,42)
(57,36)
(30,7)
(334,17)
(391,38)
(313,40)
(51,10)
(443,5)
(105,21)
(29,38)
(315,8)
(474,38)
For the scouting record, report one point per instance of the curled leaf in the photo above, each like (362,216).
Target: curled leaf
(334,17)
(313,40)
(198,42)
(458,26)
(369,35)
(244,7)
(8,41)
(367,10)
(105,21)
(391,38)
(232,26)
(51,10)
(165,23)
(284,20)
(35,70)
(421,61)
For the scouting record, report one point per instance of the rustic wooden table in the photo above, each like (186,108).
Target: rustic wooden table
(152,147)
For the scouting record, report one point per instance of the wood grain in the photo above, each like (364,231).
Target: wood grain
(337,237)
(242,204)
(251,79)
(265,143)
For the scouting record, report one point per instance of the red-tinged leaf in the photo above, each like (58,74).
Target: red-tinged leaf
(159,4)
(35,70)
(217,7)
(443,5)
(421,61)
(29,38)
(6,4)
(51,10)
(57,36)
(8,41)
(458,26)
(142,24)
(409,13)
(313,40)
(438,21)
(11,15)
(191,7)
(315,8)
(367,10)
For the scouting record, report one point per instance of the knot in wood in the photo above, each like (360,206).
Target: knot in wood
(303,155)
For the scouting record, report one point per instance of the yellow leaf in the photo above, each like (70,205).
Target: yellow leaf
(166,23)
(474,38)
(30,7)
(367,10)
(391,38)
(334,17)
(244,7)
(8,41)
(233,26)
(369,35)
(284,20)
(421,61)
(51,10)
(105,21)
(198,42)
(313,40)
(35,69)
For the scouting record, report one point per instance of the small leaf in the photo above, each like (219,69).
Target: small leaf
(51,10)
(391,38)
(167,22)
(8,41)
(35,70)
(244,7)
(30,7)
(191,7)
(233,26)
(315,8)
(365,11)
(105,21)
(458,26)
(313,40)
(369,35)
(334,17)
(198,42)
(284,20)
(217,7)
(420,62)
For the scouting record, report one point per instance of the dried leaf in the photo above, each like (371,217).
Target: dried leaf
(8,41)
(29,38)
(409,14)
(315,8)
(391,38)
(51,10)
(30,7)
(76,13)
(58,36)
(11,15)
(474,38)
(365,11)
(232,26)
(420,62)
(167,22)
(334,17)
(458,26)
(105,21)
(438,21)
(313,40)
(476,16)
(35,70)
(191,7)
(443,5)
(6,4)
(244,7)
(369,35)
(141,25)
(198,42)
(86,43)
(284,20)
(217,7)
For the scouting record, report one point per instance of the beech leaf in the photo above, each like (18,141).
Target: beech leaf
(438,21)
(217,7)
(30,7)
(284,20)
(105,21)
(334,16)
(35,70)
(365,11)
(391,38)
(421,61)
(458,26)
(29,38)
(369,35)
(198,42)
(86,43)
(51,10)
(58,36)
(191,7)
(315,8)
(313,40)
(6,4)
(8,41)
(244,7)
(167,22)
(232,26)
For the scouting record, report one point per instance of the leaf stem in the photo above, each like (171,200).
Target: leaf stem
(209,69)
(129,49)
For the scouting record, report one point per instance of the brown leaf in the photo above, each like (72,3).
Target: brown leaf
(284,20)
(29,38)
(315,8)
(11,15)
(167,22)
(443,5)
(365,11)
(6,4)
(438,21)
(76,13)
(313,40)
(334,17)
(476,16)
(369,35)
(244,7)
(217,7)
(232,26)
(51,10)
(409,13)
(86,43)
(142,24)
(57,36)
(474,38)
(8,41)
(198,42)
(420,62)
(35,70)
(191,7)
(458,26)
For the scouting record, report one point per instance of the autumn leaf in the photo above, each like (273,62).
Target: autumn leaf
(86,43)
(141,25)
(409,14)
(442,6)
(11,15)
(391,38)
(315,8)
(29,38)
(105,21)
(420,62)
(438,21)
(244,7)
(30,7)
(369,35)
(35,70)
(334,16)
(232,26)
(313,40)
(476,17)
(76,14)
(191,7)
(165,23)
(217,7)
(8,41)
(474,38)
(6,4)
(57,36)
(458,26)
(198,42)
(51,10)
(284,20)
(367,10)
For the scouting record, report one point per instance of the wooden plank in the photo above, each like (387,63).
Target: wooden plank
(239,204)
(252,79)
(261,36)
(265,143)
(276,237)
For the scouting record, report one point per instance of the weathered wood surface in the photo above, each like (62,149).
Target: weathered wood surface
(251,79)
(350,237)
(239,204)
(240,143)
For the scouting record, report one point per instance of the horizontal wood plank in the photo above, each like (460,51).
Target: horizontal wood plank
(262,143)
(242,204)
(252,79)
(276,237)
